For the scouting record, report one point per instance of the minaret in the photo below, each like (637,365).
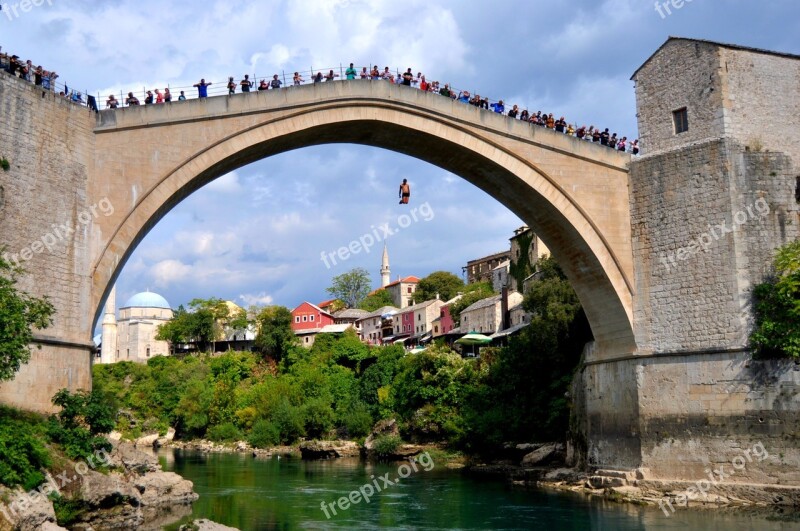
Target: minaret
(109,346)
(385,275)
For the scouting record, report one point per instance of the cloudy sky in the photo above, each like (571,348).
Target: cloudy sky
(256,235)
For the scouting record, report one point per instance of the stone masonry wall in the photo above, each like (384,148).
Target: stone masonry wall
(683,74)
(762,101)
(49,143)
(706,220)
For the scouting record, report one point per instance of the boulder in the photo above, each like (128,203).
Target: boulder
(50,526)
(103,491)
(164,488)
(125,455)
(207,525)
(329,449)
(147,441)
(166,438)
(25,512)
(545,454)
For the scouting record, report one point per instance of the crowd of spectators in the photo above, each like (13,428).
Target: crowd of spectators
(36,74)
(46,79)
(546,120)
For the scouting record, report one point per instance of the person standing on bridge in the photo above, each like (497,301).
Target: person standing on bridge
(246,83)
(404,192)
(275,83)
(351,72)
(231,86)
(408,77)
(202,88)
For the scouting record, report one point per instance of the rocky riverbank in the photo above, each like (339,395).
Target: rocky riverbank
(123,489)
(543,465)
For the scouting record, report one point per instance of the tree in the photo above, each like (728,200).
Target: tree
(351,287)
(379,299)
(20,313)
(174,331)
(777,307)
(442,283)
(275,335)
(472,294)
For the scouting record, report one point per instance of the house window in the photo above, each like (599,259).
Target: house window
(296,318)
(128,353)
(436,329)
(681,120)
(419,317)
(148,352)
(310,317)
(306,338)
(465,319)
(305,318)
(409,289)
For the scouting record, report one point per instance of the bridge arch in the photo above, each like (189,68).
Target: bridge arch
(539,175)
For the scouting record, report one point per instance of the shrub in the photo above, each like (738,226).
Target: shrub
(777,307)
(83,417)
(226,432)
(68,511)
(22,452)
(318,417)
(357,420)
(386,444)
(264,434)
(289,421)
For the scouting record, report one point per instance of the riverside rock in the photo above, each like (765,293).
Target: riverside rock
(207,525)
(545,454)
(329,449)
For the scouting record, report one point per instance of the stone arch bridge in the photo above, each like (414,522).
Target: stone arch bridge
(605,218)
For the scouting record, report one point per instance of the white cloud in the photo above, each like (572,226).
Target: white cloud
(253,299)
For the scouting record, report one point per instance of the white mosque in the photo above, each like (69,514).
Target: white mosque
(132,336)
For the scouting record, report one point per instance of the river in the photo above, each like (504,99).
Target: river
(270,493)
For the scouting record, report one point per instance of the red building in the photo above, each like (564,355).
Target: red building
(309,317)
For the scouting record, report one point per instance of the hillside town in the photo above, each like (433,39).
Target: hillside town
(131,332)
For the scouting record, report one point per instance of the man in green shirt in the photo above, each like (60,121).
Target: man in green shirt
(350,73)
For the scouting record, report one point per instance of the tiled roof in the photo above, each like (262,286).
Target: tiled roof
(379,312)
(407,280)
(350,313)
(483,303)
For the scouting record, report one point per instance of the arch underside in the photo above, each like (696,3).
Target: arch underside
(572,237)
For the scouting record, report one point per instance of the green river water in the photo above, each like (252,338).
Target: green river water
(270,493)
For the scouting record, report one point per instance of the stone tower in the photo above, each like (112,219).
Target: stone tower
(385,274)
(109,345)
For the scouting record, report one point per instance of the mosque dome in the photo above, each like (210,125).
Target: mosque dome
(147,299)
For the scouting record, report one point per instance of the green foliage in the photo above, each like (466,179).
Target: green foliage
(777,307)
(472,294)
(84,416)
(351,287)
(386,444)
(356,419)
(379,299)
(68,511)
(5,164)
(264,434)
(521,267)
(275,336)
(442,283)
(289,421)
(318,417)
(226,432)
(20,313)
(521,394)
(24,455)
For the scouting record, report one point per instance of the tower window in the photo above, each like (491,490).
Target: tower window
(681,120)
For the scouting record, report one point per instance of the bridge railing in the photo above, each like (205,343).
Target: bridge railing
(220,87)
